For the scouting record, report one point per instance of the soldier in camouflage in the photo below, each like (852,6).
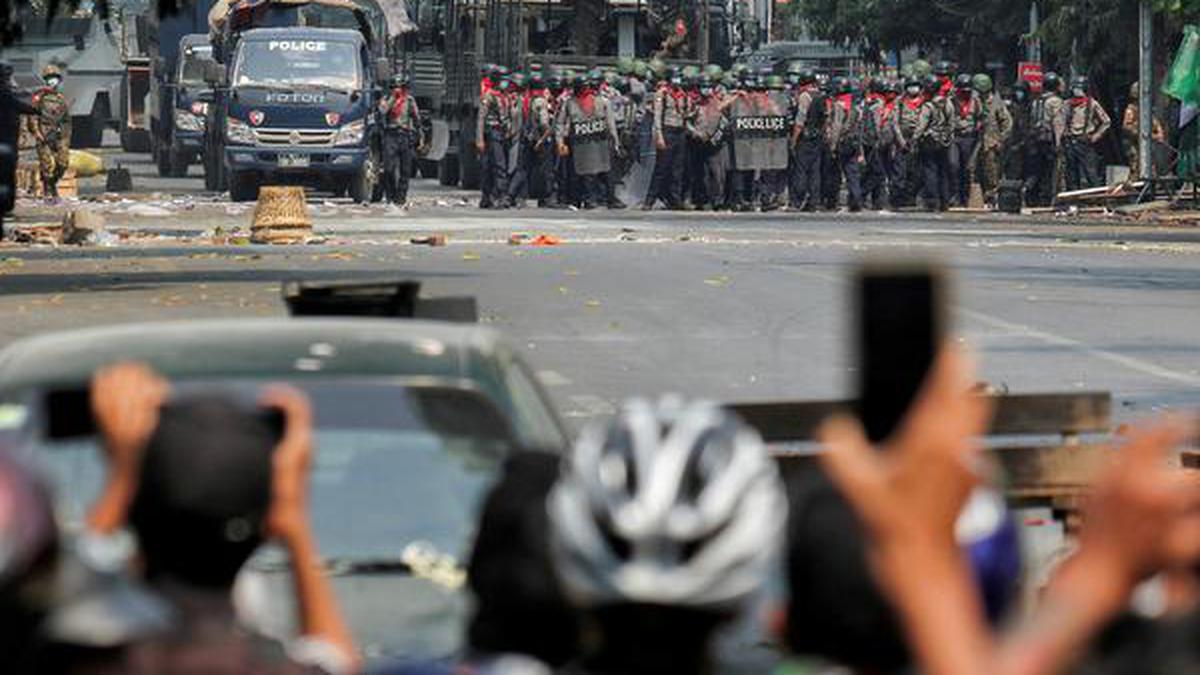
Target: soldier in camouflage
(968,123)
(51,128)
(997,127)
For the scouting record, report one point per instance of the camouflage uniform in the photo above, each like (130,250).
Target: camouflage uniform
(1047,122)
(52,130)
(1085,124)
(997,127)
(401,138)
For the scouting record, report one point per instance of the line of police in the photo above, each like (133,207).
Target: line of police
(742,140)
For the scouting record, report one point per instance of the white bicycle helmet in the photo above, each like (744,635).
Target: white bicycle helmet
(671,503)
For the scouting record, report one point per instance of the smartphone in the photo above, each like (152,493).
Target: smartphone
(900,327)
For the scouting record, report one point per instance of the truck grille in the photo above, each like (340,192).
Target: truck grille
(311,137)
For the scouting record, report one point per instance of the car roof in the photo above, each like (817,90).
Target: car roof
(251,348)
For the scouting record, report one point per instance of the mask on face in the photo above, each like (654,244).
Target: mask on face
(913,91)
(53,82)
(1078,93)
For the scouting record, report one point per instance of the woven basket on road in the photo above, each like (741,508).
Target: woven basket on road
(281,216)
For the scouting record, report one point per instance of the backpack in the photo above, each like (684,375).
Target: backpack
(1042,121)
(814,123)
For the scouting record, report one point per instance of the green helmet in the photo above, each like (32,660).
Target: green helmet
(921,68)
(690,72)
(982,83)
(595,76)
(640,69)
(713,71)
(625,65)
(729,81)
(739,69)
(659,68)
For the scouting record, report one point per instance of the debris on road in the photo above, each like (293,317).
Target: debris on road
(545,240)
(431,240)
(119,180)
(83,226)
(470,256)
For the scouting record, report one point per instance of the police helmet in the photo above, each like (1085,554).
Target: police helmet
(625,65)
(943,69)
(775,83)
(843,85)
(1080,83)
(932,84)
(400,79)
(982,83)
(963,82)
(52,70)
(518,80)
(1051,82)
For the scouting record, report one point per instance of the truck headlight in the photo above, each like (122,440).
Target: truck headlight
(186,121)
(351,134)
(237,131)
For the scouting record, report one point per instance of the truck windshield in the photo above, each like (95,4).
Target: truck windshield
(191,67)
(292,62)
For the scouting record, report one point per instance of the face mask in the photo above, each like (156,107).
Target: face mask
(913,91)
(1020,95)
(53,82)
(1078,93)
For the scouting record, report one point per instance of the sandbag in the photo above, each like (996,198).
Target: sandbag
(86,164)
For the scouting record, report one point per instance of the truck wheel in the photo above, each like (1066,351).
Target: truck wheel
(243,187)
(86,132)
(448,170)
(365,186)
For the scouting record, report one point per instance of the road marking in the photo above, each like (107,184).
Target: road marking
(587,405)
(551,378)
(1137,365)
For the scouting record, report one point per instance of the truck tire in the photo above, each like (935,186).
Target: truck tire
(86,132)
(243,187)
(366,187)
(448,170)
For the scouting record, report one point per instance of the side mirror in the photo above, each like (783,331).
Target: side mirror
(383,71)
(214,74)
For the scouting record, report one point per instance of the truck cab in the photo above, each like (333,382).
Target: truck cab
(299,105)
(183,99)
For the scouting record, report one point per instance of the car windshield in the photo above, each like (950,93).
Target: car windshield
(191,67)
(298,62)
(398,477)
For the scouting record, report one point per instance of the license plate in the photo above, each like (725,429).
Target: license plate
(293,161)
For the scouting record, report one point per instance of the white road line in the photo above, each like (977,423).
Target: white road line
(1137,365)
(587,405)
(551,378)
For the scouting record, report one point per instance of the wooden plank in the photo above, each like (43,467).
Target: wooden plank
(1090,412)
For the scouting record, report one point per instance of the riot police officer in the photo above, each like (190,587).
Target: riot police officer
(493,134)
(670,114)
(401,138)
(846,140)
(808,128)
(1086,123)
(934,136)
(968,122)
(587,131)
(1048,124)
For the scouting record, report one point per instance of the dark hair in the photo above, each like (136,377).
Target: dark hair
(520,607)
(204,492)
(836,606)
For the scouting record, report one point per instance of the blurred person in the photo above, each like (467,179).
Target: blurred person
(1142,517)
(663,527)
(29,548)
(12,106)
(522,623)
(202,484)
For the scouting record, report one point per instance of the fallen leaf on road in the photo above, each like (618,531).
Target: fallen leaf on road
(592,304)
(470,256)
(717,281)
(564,290)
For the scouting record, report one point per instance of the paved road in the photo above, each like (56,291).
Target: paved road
(735,308)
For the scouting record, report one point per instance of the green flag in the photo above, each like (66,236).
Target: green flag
(1183,80)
